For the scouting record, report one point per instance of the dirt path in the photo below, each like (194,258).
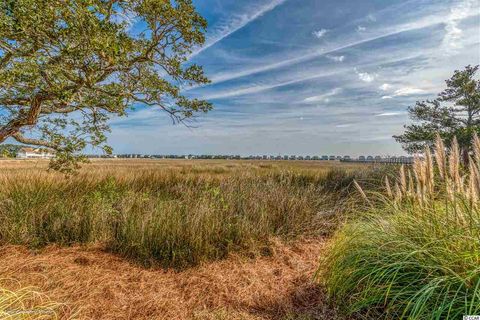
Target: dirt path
(99,285)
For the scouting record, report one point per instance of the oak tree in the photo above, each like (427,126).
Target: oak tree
(68,66)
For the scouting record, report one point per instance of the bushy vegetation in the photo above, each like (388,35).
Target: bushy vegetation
(174,217)
(416,255)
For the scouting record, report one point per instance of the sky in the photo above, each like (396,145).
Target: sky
(312,77)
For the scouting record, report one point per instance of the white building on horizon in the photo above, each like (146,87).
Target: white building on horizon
(35,153)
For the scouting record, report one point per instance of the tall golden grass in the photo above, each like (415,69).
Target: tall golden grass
(175,214)
(416,254)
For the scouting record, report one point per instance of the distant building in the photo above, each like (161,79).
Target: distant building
(346,158)
(35,153)
(369,158)
(324,157)
(332,158)
(361,158)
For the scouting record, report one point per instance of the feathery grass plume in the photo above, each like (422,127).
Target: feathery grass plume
(454,164)
(388,188)
(440,156)
(472,183)
(450,191)
(419,195)
(403,179)
(474,173)
(411,184)
(476,155)
(419,171)
(429,171)
(360,190)
(398,194)
(476,148)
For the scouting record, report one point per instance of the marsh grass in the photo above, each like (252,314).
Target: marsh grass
(416,253)
(177,215)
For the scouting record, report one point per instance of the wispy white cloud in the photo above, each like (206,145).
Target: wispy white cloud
(389,114)
(291,79)
(345,125)
(422,22)
(319,33)
(365,76)
(408,91)
(385,86)
(323,97)
(259,88)
(371,18)
(235,23)
(302,56)
(402,92)
(336,58)
(453,32)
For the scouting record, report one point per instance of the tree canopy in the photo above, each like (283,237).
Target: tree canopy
(68,66)
(9,150)
(455,113)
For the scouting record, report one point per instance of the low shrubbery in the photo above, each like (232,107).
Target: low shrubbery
(416,255)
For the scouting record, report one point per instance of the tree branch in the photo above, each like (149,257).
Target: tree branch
(22,139)
(25,119)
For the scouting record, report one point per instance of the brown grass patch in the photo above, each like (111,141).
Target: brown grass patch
(100,285)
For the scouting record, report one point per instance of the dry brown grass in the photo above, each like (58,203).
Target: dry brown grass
(100,285)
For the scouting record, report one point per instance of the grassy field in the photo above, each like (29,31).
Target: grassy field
(177,214)
(253,240)
(172,213)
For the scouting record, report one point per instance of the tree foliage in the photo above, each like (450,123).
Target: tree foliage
(9,150)
(455,113)
(68,66)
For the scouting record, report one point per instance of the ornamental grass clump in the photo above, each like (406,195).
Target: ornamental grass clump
(416,253)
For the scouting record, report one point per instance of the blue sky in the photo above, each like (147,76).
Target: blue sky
(312,77)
